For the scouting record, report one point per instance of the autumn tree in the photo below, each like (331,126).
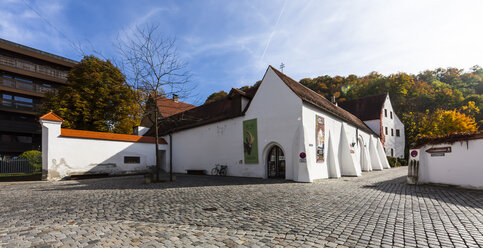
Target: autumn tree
(216,96)
(97,98)
(442,122)
(154,68)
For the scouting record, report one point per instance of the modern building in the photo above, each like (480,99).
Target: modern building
(26,74)
(378,114)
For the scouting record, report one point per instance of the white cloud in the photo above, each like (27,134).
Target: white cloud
(39,28)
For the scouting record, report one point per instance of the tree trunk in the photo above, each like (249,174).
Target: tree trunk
(170,157)
(157,169)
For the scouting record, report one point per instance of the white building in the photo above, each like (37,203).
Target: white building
(378,114)
(280,129)
(454,159)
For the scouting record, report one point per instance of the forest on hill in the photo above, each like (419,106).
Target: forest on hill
(433,102)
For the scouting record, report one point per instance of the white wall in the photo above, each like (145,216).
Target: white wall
(66,156)
(351,159)
(391,141)
(463,166)
(278,113)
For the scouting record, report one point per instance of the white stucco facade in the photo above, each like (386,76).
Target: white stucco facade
(66,156)
(392,132)
(462,166)
(284,120)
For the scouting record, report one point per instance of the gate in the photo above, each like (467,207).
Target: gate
(20,166)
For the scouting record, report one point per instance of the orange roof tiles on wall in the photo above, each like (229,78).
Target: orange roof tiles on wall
(51,117)
(108,136)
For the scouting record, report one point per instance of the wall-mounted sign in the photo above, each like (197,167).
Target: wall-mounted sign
(437,154)
(319,138)
(445,149)
(250,141)
(302,155)
(414,154)
(302,160)
(352,151)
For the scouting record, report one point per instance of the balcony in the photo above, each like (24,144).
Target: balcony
(23,86)
(11,147)
(19,107)
(29,66)
(20,126)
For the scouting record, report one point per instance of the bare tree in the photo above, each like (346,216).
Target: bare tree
(152,66)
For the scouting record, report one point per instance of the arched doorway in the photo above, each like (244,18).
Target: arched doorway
(276,163)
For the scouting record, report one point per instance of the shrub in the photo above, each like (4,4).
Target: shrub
(35,159)
(396,162)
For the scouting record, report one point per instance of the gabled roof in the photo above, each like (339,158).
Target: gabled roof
(321,102)
(366,108)
(222,109)
(50,116)
(108,136)
(230,107)
(168,107)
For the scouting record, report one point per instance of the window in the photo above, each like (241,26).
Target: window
(132,160)
(23,99)
(398,132)
(386,130)
(392,132)
(392,152)
(391,114)
(385,112)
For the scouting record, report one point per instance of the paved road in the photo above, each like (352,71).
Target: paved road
(377,209)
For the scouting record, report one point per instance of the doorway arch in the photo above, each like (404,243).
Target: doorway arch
(276,165)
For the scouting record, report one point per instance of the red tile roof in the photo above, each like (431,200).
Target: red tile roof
(51,117)
(366,108)
(168,107)
(108,136)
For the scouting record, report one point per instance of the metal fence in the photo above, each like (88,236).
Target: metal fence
(19,166)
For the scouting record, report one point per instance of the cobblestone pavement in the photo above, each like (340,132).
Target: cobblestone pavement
(377,209)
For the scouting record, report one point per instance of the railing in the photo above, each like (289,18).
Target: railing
(18,105)
(29,66)
(20,166)
(15,84)
(20,126)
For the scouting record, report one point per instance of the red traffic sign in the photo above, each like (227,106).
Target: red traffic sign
(303,155)
(414,153)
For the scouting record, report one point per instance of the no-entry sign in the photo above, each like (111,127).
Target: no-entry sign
(414,153)
(303,155)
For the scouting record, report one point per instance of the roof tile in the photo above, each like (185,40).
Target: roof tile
(108,136)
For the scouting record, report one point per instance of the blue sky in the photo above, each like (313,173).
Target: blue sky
(230,43)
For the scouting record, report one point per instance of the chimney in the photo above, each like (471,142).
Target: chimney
(175,98)
(333,101)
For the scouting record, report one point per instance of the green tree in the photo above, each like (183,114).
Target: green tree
(96,99)
(34,158)
(216,96)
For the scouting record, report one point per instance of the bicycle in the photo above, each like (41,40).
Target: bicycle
(219,170)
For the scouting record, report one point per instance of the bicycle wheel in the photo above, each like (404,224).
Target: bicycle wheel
(223,172)
(214,171)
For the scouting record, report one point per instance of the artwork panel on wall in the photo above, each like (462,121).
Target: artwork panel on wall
(250,141)
(319,138)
